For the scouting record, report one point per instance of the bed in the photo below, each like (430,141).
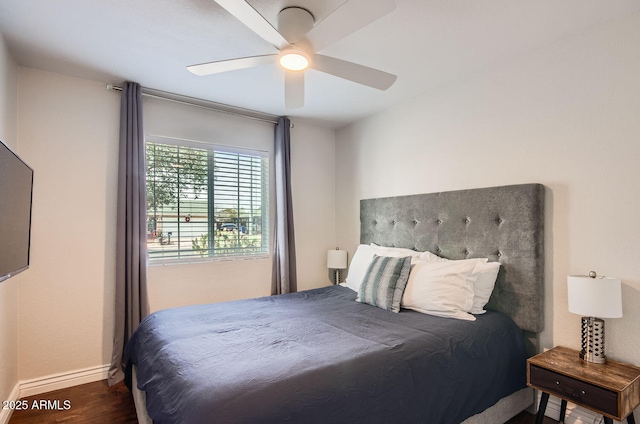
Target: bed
(319,356)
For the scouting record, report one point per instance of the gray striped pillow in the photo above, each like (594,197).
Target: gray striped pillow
(384,282)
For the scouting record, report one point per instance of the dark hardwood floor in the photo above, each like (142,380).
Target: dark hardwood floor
(99,403)
(526,418)
(89,403)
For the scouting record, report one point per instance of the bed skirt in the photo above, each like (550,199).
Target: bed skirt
(505,409)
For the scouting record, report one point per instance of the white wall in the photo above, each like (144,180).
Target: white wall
(68,133)
(313,189)
(8,97)
(566,116)
(8,288)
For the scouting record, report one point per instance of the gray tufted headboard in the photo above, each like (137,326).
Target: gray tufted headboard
(504,224)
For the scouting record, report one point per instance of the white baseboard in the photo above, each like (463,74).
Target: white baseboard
(36,386)
(574,415)
(63,380)
(5,414)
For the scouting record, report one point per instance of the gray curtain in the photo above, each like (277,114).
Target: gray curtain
(284,247)
(132,303)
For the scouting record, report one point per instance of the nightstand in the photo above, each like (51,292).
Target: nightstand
(611,389)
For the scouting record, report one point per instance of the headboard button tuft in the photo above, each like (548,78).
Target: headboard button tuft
(439,221)
(466,220)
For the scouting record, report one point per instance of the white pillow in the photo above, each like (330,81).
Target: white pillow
(396,252)
(428,256)
(442,289)
(431,257)
(486,275)
(399,250)
(358,266)
(483,278)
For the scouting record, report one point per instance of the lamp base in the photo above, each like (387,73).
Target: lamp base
(337,280)
(593,340)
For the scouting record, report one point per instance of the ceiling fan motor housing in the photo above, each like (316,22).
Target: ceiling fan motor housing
(294,22)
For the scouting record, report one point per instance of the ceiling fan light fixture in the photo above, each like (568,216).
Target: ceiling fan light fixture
(294,60)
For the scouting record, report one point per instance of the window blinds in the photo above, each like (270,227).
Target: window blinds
(205,201)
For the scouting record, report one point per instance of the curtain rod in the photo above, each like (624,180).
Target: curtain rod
(205,104)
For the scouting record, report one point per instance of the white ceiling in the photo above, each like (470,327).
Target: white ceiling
(427,43)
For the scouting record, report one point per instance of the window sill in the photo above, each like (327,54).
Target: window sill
(169,262)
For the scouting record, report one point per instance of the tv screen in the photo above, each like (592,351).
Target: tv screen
(16,183)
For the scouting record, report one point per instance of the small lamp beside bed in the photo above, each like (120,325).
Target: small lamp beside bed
(337,261)
(593,297)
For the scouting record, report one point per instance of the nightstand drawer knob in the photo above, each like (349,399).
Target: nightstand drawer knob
(583,392)
(557,383)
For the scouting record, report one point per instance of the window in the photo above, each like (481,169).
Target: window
(205,201)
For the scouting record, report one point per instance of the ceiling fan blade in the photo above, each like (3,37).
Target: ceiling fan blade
(347,19)
(246,14)
(293,90)
(353,72)
(232,64)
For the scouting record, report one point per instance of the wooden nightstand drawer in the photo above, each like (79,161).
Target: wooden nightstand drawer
(611,389)
(574,390)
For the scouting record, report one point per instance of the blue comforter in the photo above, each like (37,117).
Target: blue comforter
(319,357)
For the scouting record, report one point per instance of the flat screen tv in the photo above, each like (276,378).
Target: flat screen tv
(16,184)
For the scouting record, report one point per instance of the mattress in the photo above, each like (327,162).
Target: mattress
(318,356)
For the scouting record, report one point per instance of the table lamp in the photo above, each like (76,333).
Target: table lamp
(337,260)
(592,297)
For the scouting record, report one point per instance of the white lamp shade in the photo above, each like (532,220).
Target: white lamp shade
(337,259)
(599,297)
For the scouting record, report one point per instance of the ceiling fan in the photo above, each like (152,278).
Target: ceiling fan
(298,38)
